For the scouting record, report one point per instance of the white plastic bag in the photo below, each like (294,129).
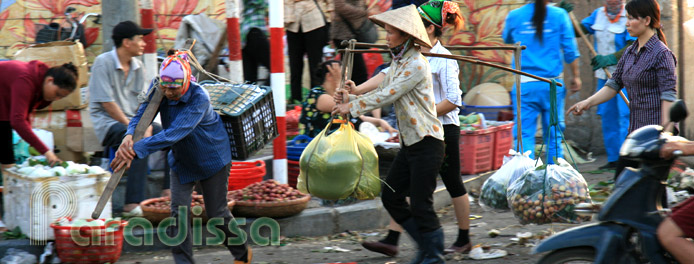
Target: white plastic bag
(493,192)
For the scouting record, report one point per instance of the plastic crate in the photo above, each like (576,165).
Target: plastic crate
(489,112)
(243,174)
(98,244)
(248,114)
(503,141)
(293,170)
(476,149)
(296,147)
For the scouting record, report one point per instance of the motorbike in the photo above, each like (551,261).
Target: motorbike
(628,219)
(55,32)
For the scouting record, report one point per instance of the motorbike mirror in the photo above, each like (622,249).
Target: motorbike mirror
(678,111)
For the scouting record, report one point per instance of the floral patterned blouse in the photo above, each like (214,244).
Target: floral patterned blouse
(409,87)
(313,120)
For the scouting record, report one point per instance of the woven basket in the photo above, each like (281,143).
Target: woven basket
(271,209)
(157,215)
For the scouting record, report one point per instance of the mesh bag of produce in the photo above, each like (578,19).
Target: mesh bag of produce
(493,192)
(548,194)
(338,163)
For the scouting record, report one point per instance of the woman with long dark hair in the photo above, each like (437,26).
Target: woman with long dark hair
(549,36)
(28,86)
(646,70)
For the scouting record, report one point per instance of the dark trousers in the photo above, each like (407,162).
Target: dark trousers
(136,185)
(214,192)
(6,143)
(310,43)
(450,169)
(413,173)
(255,53)
(359,73)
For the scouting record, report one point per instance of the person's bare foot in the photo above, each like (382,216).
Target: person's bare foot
(166,193)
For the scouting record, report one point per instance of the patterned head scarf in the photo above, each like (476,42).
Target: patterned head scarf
(435,11)
(175,71)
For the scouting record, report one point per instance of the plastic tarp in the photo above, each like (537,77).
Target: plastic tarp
(204,30)
(338,163)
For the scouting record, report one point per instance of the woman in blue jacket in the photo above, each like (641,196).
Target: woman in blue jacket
(547,33)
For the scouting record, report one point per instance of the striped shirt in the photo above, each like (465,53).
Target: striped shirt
(199,144)
(254,16)
(649,77)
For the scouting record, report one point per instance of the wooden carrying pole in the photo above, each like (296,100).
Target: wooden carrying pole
(578,29)
(145,121)
(383,46)
(463,59)
(517,58)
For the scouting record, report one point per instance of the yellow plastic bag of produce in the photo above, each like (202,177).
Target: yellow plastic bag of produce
(338,163)
(548,194)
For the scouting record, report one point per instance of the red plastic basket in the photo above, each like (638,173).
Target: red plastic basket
(243,174)
(293,170)
(89,244)
(476,149)
(503,141)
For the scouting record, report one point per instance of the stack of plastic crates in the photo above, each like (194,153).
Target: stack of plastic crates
(294,150)
(476,149)
(243,174)
(248,114)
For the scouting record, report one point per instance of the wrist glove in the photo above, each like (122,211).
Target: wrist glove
(602,61)
(566,6)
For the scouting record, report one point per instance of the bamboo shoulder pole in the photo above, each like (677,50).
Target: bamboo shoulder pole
(467,59)
(519,132)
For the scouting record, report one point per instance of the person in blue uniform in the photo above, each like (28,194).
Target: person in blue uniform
(549,36)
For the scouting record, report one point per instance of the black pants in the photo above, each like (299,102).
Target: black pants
(214,192)
(255,53)
(359,73)
(310,43)
(414,172)
(450,169)
(6,146)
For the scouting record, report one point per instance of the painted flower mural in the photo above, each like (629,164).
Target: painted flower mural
(21,19)
(484,23)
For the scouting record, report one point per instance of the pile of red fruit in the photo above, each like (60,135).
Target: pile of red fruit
(165,203)
(266,191)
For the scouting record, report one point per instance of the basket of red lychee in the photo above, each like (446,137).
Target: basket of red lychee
(268,198)
(156,209)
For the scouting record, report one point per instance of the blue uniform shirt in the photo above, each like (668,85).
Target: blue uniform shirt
(620,40)
(544,60)
(199,144)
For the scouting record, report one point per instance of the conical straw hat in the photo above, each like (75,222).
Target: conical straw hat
(407,20)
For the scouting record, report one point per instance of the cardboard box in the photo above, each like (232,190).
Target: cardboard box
(48,199)
(55,54)
(73,130)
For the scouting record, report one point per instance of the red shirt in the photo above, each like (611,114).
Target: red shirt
(22,92)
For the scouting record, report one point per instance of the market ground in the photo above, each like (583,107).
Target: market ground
(311,250)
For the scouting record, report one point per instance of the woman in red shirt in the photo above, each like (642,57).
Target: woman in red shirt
(27,86)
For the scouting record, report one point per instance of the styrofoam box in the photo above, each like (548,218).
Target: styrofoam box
(34,203)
